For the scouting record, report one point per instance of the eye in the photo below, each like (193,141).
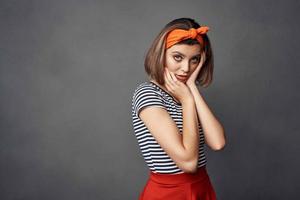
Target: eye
(195,60)
(177,57)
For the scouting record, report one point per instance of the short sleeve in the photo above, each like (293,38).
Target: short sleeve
(145,96)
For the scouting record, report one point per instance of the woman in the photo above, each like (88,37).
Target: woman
(171,120)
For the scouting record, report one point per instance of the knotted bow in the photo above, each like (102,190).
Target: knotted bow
(178,35)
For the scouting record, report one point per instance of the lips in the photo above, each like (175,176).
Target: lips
(183,78)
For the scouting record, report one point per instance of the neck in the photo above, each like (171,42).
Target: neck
(165,89)
(159,85)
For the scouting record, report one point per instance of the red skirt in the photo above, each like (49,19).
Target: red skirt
(185,186)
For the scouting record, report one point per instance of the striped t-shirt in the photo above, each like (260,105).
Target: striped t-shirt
(158,161)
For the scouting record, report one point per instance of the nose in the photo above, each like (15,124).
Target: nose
(185,67)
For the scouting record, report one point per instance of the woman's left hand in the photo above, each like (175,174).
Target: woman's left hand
(192,79)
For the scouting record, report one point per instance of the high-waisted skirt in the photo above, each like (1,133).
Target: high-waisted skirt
(185,186)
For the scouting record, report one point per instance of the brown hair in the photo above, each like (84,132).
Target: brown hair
(155,57)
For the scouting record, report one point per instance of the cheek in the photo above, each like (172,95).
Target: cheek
(193,68)
(171,64)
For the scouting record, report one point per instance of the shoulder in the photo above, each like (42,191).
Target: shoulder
(145,88)
(146,94)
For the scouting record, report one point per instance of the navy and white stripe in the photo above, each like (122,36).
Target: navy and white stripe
(150,94)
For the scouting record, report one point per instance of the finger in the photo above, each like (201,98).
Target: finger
(202,58)
(169,78)
(167,81)
(168,84)
(200,63)
(174,77)
(171,81)
(168,88)
(175,80)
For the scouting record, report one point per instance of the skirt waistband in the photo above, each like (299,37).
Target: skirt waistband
(199,175)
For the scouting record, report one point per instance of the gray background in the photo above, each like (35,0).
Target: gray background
(68,71)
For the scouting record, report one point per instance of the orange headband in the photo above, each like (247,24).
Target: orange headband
(178,35)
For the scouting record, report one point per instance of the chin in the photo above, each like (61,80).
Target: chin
(182,81)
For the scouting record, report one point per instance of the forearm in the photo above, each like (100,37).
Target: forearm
(190,130)
(213,130)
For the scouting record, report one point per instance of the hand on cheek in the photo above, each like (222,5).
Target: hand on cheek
(178,89)
(192,79)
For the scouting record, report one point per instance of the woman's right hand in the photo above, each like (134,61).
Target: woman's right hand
(178,89)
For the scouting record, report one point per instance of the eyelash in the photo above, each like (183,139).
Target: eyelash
(197,59)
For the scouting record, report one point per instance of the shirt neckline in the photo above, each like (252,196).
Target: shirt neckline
(178,103)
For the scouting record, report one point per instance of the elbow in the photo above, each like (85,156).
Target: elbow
(191,166)
(219,144)
(188,164)
(219,147)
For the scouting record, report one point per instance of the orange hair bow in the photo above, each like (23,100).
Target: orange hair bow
(178,35)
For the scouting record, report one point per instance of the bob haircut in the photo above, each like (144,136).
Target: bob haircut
(155,58)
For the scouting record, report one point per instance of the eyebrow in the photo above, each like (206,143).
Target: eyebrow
(199,54)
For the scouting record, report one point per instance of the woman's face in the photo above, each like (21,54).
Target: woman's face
(182,59)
